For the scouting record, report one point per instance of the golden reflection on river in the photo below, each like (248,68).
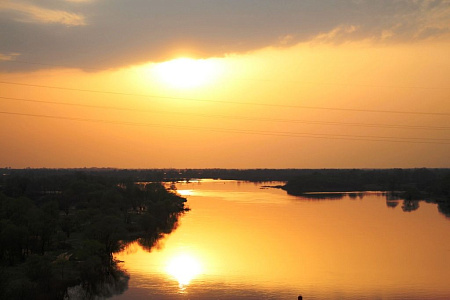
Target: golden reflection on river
(184,268)
(241,241)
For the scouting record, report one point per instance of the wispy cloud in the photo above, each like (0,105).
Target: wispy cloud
(391,21)
(433,19)
(8,56)
(31,13)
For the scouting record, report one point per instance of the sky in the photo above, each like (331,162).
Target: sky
(224,84)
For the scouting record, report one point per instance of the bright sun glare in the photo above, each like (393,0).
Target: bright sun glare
(184,268)
(185,192)
(186,72)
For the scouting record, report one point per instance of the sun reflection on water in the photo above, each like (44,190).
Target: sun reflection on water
(184,268)
(185,192)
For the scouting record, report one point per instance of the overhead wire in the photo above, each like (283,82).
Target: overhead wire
(413,140)
(246,79)
(291,134)
(328,123)
(230,102)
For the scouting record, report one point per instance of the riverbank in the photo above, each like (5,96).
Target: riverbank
(430,185)
(60,230)
(411,184)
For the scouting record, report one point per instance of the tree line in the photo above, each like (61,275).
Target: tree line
(60,228)
(432,185)
(414,183)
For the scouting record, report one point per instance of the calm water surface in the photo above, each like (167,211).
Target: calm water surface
(242,241)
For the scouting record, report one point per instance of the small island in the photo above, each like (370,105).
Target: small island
(431,185)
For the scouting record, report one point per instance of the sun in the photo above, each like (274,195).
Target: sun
(184,268)
(185,73)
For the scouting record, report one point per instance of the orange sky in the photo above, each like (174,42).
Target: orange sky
(347,92)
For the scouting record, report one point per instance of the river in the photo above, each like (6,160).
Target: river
(242,240)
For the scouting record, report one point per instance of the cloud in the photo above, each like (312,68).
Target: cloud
(336,34)
(30,13)
(79,1)
(8,56)
(119,33)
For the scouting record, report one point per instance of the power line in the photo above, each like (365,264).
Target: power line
(230,102)
(249,79)
(352,84)
(253,132)
(371,125)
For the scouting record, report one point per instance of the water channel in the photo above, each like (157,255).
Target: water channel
(242,240)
